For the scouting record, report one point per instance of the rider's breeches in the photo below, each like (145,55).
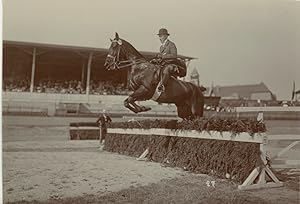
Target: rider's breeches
(168,70)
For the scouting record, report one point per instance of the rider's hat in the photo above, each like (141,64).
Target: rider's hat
(163,31)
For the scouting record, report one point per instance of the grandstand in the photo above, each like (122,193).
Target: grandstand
(53,79)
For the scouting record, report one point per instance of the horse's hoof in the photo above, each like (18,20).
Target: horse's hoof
(144,108)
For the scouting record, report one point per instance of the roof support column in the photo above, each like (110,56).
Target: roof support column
(88,76)
(33,70)
(82,73)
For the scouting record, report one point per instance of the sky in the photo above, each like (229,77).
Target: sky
(235,42)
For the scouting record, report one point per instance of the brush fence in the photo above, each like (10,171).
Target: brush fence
(240,157)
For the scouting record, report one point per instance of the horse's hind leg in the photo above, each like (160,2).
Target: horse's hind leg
(184,111)
(197,103)
(140,94)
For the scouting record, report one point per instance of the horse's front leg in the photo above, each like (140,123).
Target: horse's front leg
(142,93)
(128,104)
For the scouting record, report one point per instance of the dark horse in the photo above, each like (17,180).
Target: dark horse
(144,78)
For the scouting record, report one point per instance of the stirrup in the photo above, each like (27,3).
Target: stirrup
(161,88)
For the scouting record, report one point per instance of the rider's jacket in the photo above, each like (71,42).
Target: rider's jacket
(103,119)
(168,50)
(168,53)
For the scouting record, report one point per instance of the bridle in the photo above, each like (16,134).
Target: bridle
(120,64)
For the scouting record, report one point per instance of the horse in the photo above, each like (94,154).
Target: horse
(144,79)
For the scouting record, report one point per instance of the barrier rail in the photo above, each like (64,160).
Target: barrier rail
(47,103)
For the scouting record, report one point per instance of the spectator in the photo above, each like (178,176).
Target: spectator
(16,85)
(65,87)
(102,121)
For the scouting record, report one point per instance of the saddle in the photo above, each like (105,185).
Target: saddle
(178,62)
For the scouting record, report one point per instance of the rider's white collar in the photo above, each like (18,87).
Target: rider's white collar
(164,43)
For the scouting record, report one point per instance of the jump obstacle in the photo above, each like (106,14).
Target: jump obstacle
(257,179)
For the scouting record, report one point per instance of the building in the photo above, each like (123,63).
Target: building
(246,92)
(195,77)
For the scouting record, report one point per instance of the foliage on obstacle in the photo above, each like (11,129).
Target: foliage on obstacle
(204,124)
(214,157)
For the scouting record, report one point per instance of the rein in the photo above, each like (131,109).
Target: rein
(123,63)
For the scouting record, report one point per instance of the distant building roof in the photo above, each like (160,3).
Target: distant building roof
(241,91)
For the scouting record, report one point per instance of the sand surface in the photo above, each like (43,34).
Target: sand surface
(41,170)
(41,163)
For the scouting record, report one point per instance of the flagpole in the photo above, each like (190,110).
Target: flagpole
(293,93)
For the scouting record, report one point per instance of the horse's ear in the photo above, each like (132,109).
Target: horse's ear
(117,36)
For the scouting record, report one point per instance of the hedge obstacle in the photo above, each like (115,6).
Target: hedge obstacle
(227,148)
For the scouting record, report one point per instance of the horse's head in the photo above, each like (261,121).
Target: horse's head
(116,54)
(121,54)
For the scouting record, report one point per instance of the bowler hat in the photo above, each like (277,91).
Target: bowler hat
(163,31)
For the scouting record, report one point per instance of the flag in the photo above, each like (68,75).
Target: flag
(293,93)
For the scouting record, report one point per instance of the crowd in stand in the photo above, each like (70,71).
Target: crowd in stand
(16,84)
(22,84)
(59,86)
(65,87)
(108,88)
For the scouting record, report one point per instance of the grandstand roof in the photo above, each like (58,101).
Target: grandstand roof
(99,52)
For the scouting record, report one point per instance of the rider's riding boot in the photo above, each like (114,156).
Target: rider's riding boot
(165,78)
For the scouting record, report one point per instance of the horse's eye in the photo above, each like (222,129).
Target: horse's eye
(114,44)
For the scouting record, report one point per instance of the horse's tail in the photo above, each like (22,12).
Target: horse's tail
(198,101)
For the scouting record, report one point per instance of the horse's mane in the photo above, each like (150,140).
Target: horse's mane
(131,50)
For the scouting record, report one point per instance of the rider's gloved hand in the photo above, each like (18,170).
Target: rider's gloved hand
(175,69)
(153,60)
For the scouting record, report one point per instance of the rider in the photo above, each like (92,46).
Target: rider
(168,55)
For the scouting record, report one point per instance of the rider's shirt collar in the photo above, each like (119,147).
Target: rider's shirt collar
(165,42)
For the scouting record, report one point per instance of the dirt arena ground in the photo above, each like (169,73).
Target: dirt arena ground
(41,165)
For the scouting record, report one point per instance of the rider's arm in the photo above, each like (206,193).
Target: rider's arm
(172,53)
(109,119)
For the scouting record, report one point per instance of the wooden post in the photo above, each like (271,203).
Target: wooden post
(88,73)
(142,157)
(100,134)
(82,73)
(32,70)
(261,172)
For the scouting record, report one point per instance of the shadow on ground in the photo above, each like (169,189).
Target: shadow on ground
(188,189)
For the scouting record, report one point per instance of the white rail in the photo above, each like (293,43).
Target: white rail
(212,135)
